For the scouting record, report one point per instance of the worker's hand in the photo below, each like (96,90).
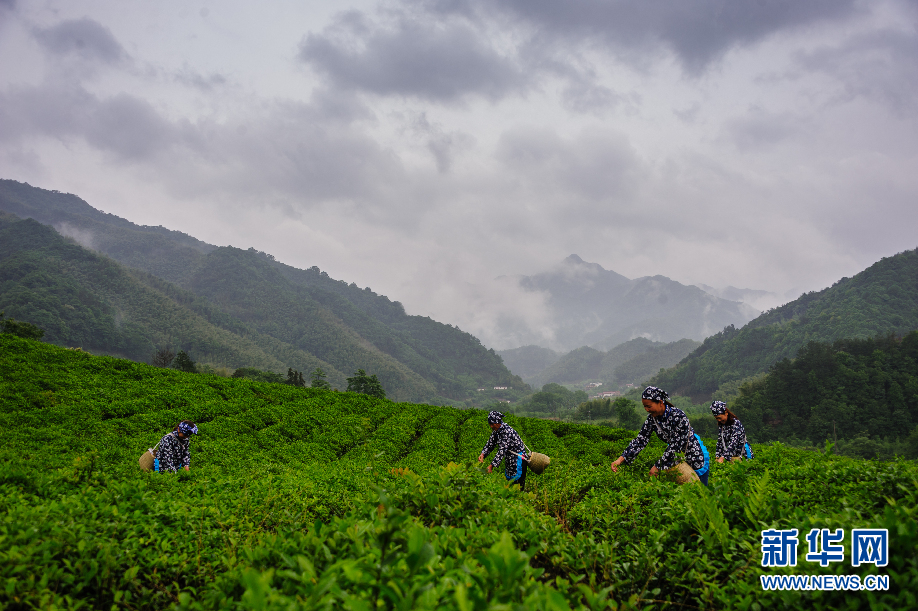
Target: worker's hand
(481,458)
(616,463)
(721,459)
(490,467)
(187,468)
(654,471)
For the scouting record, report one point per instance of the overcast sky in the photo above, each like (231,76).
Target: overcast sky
(425,148)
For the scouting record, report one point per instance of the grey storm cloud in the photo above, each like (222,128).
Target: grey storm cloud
(123,125)
(698,31)
(444,50)
(290,150)
(404,53)
(83,38)
(882,65)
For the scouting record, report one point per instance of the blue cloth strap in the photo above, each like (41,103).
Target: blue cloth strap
(748,451)
(519,469)
(707,458)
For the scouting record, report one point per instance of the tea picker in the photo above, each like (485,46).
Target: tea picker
(673,427)
(509,446)
(731,440)
(172,453)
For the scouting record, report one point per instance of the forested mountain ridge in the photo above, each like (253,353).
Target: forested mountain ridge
(305,310)
(880,300)
(86,300)
(863,391)
(163,252)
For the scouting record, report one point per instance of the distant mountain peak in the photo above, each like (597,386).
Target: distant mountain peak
(596,307)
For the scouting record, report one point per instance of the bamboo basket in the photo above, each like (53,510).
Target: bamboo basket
(146,460)
(538,462)
(736,459)
(683,473)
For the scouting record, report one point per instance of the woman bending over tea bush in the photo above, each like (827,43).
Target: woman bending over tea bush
(509,445)
(672,426)
(731,442)
(173,451)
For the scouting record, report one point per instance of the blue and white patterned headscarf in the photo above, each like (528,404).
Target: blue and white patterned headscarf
(495,418)
(718,408)
(187,428)
(656,395)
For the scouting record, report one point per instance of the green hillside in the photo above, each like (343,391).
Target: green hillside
(280,309)
(162,252)
(86,300)
(880,300)
(308,499)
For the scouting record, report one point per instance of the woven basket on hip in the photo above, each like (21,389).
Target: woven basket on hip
(683,473)
(538,462)
(146,459)
(736,459)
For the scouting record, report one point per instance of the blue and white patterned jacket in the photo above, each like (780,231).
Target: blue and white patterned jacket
(173,452)
(674,428)
(507,440)
(732,440)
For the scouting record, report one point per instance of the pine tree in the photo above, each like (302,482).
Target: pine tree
(318,379)
(183,362)
(294,377)
(368,385)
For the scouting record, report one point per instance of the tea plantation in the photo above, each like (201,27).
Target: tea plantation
(309,499)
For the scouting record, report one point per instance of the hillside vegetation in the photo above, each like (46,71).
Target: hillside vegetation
(864,391)
(287,317)
(303,498)
(86,300)
(878,301)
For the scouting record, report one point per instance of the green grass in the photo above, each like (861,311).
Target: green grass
(308,499)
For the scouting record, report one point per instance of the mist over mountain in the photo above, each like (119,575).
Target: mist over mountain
(760,300)
(630,362)
(592,306)
(156,288)
(528,361)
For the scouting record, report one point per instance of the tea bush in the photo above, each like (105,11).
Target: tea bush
(314,499)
